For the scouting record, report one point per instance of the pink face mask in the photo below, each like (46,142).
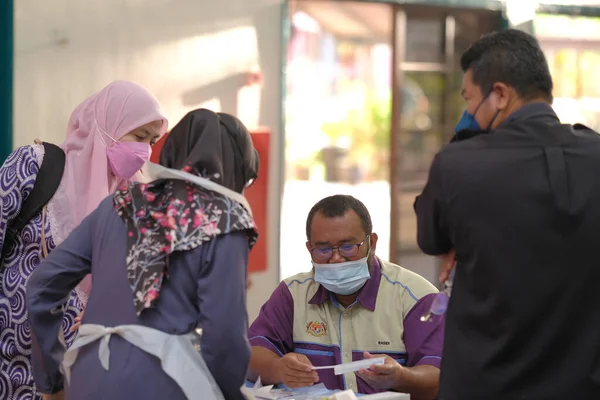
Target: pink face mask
(126,158)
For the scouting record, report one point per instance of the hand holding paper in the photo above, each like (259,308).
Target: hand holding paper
(381,376)
(296,371)
(353,366)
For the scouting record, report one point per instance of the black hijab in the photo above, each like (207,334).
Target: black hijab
(170,215)
(216,146)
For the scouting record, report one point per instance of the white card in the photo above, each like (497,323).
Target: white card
(353,366)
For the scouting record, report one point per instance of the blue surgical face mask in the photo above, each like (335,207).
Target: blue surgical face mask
(343,278)
(468,121)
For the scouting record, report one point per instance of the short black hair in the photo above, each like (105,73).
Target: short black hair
(336,206)
(512,57)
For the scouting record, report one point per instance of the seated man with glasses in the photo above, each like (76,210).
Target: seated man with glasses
(351,305)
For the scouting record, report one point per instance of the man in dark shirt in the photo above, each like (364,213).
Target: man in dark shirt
(516,199)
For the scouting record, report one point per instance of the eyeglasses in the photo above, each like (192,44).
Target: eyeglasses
(324,254)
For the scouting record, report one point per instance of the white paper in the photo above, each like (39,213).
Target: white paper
(386,396)
(353,366)
(313,392)
(262,392)
(345,395)
(259,392)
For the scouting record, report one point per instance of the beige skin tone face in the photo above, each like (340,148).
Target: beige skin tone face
(333,232)
(149,134)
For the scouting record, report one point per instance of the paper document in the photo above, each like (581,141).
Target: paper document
(259,392)
(353,366)
(386,396)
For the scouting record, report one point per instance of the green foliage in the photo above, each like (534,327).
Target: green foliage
(368,129)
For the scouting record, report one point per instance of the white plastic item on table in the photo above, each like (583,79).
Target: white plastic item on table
(345,395)
(386,396)
(258,391)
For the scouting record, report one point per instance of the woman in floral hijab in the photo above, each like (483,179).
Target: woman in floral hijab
(167,259)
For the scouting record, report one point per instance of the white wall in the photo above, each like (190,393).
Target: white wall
(187,52)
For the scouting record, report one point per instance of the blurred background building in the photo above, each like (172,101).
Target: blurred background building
(357,96)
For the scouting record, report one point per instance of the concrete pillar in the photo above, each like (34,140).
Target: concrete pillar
(6,78)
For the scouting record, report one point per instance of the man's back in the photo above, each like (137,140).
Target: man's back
(522,209)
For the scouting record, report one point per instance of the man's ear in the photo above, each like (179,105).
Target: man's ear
(502,95)
(308,246)
(373,243)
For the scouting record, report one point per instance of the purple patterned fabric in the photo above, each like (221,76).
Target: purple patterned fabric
(17,177)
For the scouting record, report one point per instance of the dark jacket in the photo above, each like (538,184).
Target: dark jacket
(521,206)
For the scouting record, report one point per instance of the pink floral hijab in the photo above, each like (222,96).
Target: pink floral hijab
(117,109)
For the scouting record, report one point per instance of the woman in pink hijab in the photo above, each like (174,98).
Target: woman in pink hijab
(109,137)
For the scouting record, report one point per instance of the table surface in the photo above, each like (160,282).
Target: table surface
(376,396)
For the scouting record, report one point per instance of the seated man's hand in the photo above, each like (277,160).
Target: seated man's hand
(57,396)
(447,265)
(296,371)
(382,377)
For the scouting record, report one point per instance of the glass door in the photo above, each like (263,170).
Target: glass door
(337,116)
(426,104)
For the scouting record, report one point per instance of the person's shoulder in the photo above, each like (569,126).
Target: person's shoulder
(108,202)
(105,211)
(25,155)
(453,152)
(302,278)
(301,285)
(585,134)
(405,280)
(458,144)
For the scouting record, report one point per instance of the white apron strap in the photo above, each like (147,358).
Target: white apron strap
(179,359)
